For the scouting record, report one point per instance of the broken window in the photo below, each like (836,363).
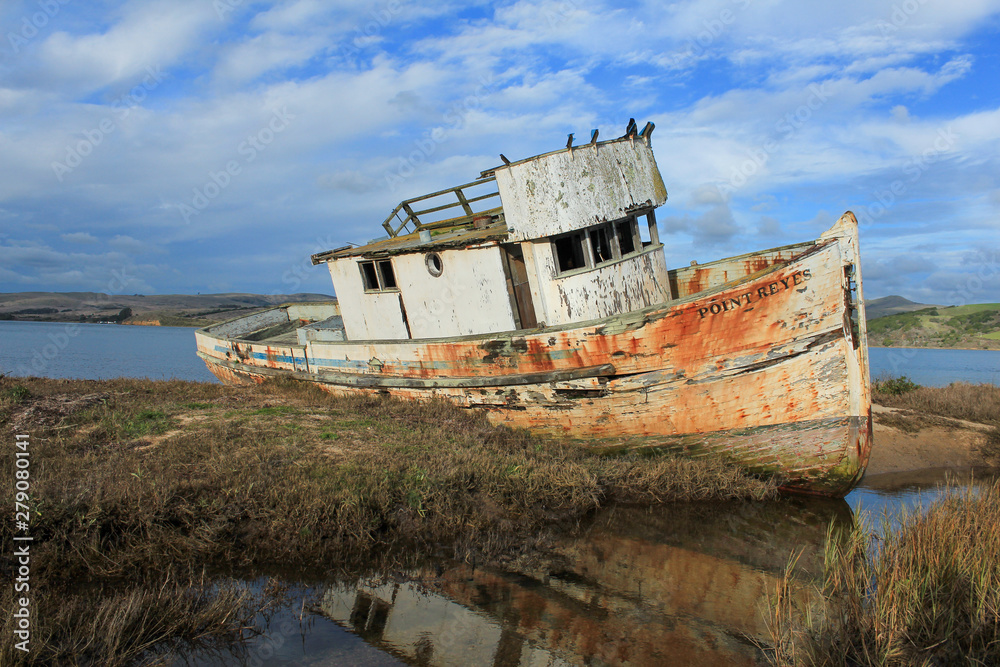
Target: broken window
(569,252)
(600,244)
(369,276)
(378,276)
(387,279)
(626,231)
(604,243)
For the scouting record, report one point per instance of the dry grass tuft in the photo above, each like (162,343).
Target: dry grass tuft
(135,622)
(959,400)
(924,593)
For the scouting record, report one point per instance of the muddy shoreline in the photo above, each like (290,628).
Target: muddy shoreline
(929,444)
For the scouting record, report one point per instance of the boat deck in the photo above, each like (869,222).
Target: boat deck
(295,332)
(289,338)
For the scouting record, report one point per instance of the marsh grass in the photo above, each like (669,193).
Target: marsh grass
(959,400)
(921,590)
(139,621)
(130,476)
(289,474)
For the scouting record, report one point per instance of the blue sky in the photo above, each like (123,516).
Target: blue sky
(190,146)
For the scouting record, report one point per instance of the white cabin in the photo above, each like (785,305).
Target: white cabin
(573,238)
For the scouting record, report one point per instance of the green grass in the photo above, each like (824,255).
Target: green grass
(973,325)
(972,308)
(275,410)
(893,386)
(15,393)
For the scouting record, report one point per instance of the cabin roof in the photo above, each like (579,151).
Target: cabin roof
(441,239)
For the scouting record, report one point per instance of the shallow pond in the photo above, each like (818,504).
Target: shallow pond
(685,584)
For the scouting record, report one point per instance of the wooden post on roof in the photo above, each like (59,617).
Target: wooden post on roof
(463,201)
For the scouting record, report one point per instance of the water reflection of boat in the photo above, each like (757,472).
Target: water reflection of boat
(636,587)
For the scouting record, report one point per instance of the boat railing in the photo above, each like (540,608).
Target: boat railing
(417,219)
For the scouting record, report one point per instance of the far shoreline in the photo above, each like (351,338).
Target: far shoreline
(126,324)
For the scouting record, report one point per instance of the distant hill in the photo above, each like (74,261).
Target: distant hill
(891,305)
(161,309)
(976,326)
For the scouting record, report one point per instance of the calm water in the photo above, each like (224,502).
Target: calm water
(936,368)
(100,351)
(685,584)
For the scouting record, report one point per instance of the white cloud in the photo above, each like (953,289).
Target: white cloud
(765,116)
(264,53)
(143,34)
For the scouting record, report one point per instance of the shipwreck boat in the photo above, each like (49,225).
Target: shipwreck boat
(548,303)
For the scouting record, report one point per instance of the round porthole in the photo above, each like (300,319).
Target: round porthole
(434,265)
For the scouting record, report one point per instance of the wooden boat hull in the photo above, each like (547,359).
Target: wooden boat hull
(761,360)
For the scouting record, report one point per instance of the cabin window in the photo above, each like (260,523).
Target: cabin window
(569,252)
(434,265)
(603,243)
(600,244)
(387,279)
(626,232)
(378,276)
